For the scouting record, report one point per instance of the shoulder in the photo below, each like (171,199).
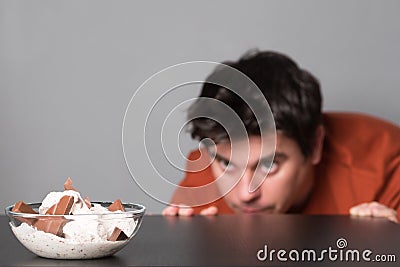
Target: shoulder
(361,163)
(360,133)
(358,122)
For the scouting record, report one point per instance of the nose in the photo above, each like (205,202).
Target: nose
(244,193)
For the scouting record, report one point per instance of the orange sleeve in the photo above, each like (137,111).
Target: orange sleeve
(390,193)
(361,164)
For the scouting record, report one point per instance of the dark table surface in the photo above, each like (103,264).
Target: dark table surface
(233,240)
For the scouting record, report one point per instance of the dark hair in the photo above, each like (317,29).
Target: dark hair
(293,95)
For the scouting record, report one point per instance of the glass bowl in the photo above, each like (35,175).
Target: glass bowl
(78,236)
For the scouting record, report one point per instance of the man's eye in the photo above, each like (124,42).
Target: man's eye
(265,167)
(226,165)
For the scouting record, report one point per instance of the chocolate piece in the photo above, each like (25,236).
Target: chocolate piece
(87,202)
(117,235)
(63,207)
(54,225)
(22,207)
(116,205)
(68,185)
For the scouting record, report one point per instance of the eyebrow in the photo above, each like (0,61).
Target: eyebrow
(278,156)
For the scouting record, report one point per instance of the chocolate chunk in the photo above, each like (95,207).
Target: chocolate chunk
(22,207)
(68,185)
(117,235)
(63,207)
(116,205)
(54,225)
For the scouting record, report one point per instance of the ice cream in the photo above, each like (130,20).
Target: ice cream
(51,246)
(81,229)
(78,207)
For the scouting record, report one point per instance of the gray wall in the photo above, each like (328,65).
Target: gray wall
(69,68)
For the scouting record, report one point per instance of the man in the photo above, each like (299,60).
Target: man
(333,163)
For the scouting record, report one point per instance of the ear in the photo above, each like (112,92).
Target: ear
(318,145)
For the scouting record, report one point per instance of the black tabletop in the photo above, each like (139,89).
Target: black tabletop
(239,240)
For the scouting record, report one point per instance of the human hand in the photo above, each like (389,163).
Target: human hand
(374,209)
(188,211)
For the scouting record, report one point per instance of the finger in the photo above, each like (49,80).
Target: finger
(374,209)
(210,211)
(170,211)
(353,211)
(185,211)
(361,210)
(379,210)
(393,219)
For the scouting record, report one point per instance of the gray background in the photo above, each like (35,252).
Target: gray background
(69,68)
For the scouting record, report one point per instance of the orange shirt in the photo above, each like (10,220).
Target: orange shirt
(360,163)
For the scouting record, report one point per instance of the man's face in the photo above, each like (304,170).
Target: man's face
(287,184)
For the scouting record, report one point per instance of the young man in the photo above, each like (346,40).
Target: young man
(331,163)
